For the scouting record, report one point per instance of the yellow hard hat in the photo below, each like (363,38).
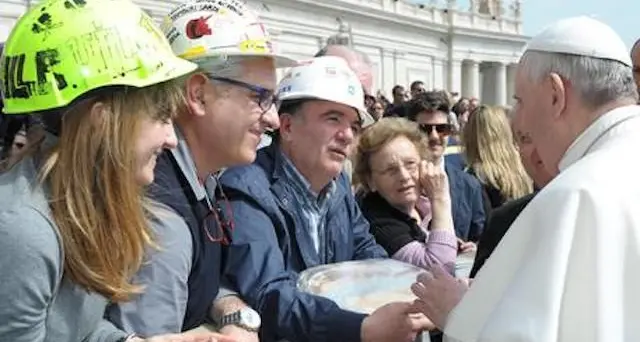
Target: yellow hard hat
(62,49)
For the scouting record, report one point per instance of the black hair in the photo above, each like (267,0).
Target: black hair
(430,101)
(395,88)
(291,107)
(415,85)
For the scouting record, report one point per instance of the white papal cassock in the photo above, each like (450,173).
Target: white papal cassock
(568,270)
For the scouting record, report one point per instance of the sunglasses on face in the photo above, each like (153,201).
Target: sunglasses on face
(265,98)
(442,129)
(218,224)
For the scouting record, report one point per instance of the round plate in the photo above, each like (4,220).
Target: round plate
(362,286)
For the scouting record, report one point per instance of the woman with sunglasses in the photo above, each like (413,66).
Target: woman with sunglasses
(73,220)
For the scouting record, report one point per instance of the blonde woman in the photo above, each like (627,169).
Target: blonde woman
(493,157)
(405,199)
(73,223)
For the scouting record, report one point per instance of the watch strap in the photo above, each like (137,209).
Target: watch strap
(235,319)
(128,338)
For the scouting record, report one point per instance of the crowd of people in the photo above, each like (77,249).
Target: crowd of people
(157,179)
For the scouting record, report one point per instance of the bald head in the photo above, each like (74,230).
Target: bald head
(635,58)
(358,62)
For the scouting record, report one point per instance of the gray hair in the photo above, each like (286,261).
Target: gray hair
(227,67)
(597,81)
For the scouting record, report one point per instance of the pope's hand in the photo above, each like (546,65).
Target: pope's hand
(438,293)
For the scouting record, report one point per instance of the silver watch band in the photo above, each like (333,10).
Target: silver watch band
(236,319)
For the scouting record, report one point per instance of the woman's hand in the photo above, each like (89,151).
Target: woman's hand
(435,185)
(466,246)
(434,181)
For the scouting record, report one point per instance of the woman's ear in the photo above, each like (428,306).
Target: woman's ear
(96,113)
(370,184)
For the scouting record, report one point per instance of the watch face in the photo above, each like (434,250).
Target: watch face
(250,318)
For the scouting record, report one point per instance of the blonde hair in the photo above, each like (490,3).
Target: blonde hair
(491,153)
(96,203)
(375,137)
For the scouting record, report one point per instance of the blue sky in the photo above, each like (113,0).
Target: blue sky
(622,15)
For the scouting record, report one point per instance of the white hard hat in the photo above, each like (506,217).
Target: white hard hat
(218,28)
(581,36)
(326,78)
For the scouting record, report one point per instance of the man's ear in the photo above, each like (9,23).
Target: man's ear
(558,94)
(195,93)
(286,121)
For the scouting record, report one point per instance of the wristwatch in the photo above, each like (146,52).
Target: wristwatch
(128,338)
(245,318)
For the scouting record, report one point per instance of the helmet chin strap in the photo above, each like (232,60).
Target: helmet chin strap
(51,121)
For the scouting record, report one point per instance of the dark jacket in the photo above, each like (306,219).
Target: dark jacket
(397,110)
(466,204)
(498,224)
(171,188)
(270,248)
(456,160)
(492,196)
(392,228)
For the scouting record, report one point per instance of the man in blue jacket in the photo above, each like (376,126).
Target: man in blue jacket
(431,111)
(294,209)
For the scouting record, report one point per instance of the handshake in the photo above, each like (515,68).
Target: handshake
(438,293)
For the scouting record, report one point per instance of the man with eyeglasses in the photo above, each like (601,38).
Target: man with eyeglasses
(431,111)
(228,105)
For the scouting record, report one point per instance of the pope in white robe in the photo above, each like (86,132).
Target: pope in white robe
(568,269)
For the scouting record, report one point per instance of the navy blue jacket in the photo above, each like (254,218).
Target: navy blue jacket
(455,160)
(467,205)
(171,188)
(269,249)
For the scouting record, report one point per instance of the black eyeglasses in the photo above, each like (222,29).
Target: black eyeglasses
(265,98)
(442,129)
(218,224)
